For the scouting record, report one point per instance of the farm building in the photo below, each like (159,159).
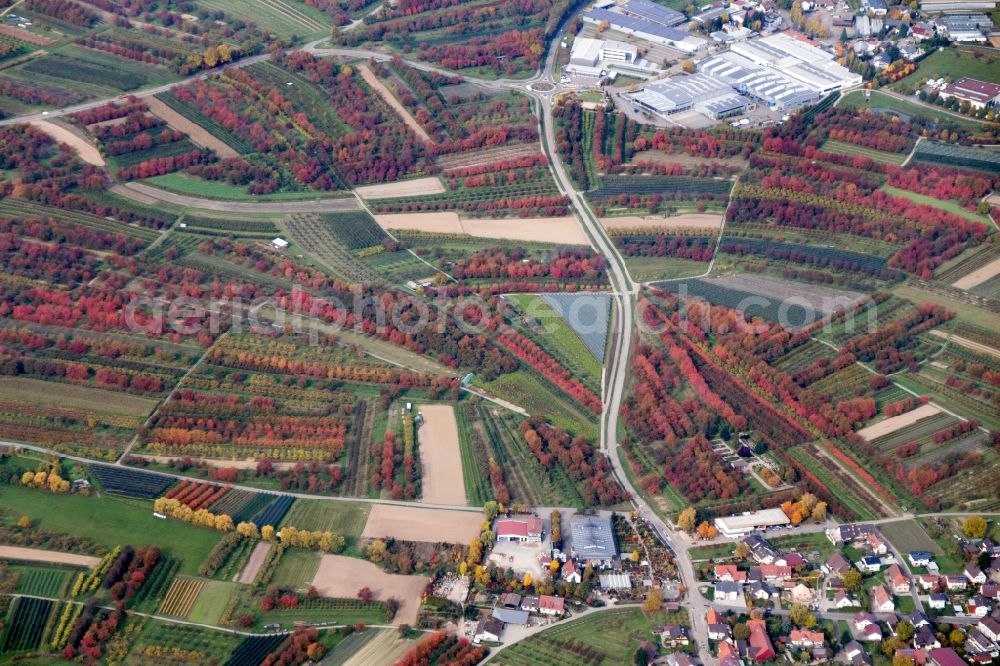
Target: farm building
(743,524)
(594,540)
(279,244)
(521,529)
(511,615)
(615,581)
(489,629)
(978,94)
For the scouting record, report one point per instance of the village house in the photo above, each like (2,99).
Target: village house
(729,572)
(801,594)
(897,580)
(761,648)
(729,655)
(925,639)
(518,529)
(530,604)
(489,629)
(919,558)
(843,599)
(856,655)
(937,601)
(990,628)
(882,600)
(804,638)
(842,534)
(974,574)
(978,606)
(762,552)
(720,632)
(979,645)
(956,583)
(552,606)
(674,636)
(944,657)
(509,600)
(836,564)
(571,573)
(773,573)
(682,659)
(761,591)
(928,582)
(869,565)
(728,591)
(875,544)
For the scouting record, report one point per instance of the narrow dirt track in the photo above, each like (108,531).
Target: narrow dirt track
(369,76)
(54,556)
(87,151)
(195,132)
(147,194)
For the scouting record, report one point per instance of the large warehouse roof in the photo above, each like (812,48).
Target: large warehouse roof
(593,538)
(635,24)
(653,12)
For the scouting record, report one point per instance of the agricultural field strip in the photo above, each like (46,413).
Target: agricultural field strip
(965,342)
(894,423)
(394,104)
(978,276)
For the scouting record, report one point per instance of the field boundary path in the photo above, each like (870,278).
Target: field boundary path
(52,556)
(148,194)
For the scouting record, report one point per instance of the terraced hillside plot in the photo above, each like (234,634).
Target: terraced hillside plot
(403,188)
(979,276)
(53,556)
(341,577)
(418,524)
(440,456)
(683,221)
(892,424)
(589,315)
(558,230)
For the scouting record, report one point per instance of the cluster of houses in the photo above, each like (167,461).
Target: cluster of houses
(773,576)
(512,608)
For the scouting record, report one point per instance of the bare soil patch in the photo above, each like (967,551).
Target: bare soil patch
(488,156)
(978,276)
(404,188)
(87,151)
(411,523)
(559,230)
(660,157)
(195,132)
(674,222)
(819,298)
(256,561)
(23,35)
(894,423)
(440,456)
(400,110)
(341,577)
(56,557)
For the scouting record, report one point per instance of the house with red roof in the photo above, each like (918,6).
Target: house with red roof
(774,573)
(730,573)
(882,600)
(518,529)
(897,579)
(571,572)
(761,648)
(977,93)
(549,605)
(804,638)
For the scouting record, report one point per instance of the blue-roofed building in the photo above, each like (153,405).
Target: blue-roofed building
(647,30)
(650,11)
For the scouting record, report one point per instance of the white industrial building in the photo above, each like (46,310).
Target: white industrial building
(735,527)
(647,21)
(771,86)
(597,58)
(804,62)
(698,92)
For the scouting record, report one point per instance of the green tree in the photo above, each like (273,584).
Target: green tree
(800,616)
(904,631)
(741,631)
(490,509)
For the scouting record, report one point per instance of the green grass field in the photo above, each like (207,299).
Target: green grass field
(907,535)
(879,156)
(952,64)
(209,189)
(538,396)
(560,335)
(41,581)
(612,634)
(110,521)
(649,269)
(297,568)
(856,100)
(949,206)
(169,635)
(346,518)
(211,602)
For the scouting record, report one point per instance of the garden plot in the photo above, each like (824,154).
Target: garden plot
(411,523)
(559,230)
(341,577)
(55,557)
(588,315)
(684,221)
(385,647)
(398,108)
(195,132)
(87,151)
(440,456)
(404,188)
(978,276)
(892,424)
(488,156)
